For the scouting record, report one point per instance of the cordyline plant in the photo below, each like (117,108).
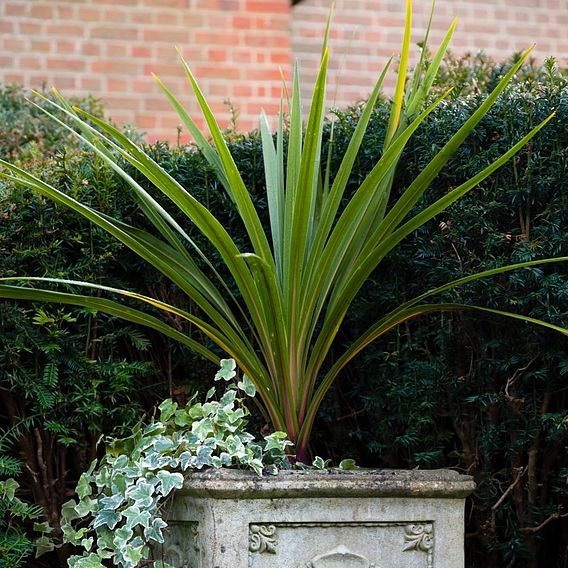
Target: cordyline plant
(297,282)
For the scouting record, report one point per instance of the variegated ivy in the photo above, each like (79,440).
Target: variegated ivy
(119,515)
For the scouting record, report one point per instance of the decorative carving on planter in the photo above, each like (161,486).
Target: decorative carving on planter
(262,538)
(420,537)
(339,557)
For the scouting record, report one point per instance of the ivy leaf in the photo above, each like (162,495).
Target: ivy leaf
(167,409)
(203,456)
(134,516)
(247,386)
(43,527)
(112,502)
(84,488)
(68,512)
(169,481)
(9,488)
(133,555)
(210,393)
(42,545)
(227,370)
(91,561)
(121,536)
(85,507)
(106,517)
(320,463)
(186,460)
(87,543)
(154,531)
(163,444)
(142,493)
(347,464)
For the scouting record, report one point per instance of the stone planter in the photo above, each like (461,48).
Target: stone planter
(358,519)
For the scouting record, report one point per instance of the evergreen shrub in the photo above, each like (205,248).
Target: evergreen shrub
(452,390)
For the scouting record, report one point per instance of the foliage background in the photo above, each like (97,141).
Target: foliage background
(473,393)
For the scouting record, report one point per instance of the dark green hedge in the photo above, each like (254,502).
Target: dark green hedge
(483,395)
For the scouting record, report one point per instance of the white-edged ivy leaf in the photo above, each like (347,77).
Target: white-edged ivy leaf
(210,393)
(169,481)
(106,517)
(90,561)
(84,488)
(163,444)
(186,460)
(154,531)
(153,428)
(86,507)
(247,386)
(122,536)
(42,527)
(133,555)
(142,493)
(319,463)
(167,409)
(112,501)
(68,512)
(9,487)
(134,516)
(227,370)
(42,545)
(203,456)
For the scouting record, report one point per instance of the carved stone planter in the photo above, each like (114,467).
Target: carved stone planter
(358,519)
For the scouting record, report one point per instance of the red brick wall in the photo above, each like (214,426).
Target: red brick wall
(110,47)
(365,34)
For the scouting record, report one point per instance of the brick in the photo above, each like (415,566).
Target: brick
(66,47)
(242,22)
(64,82)
(41,46)
(65,12)
(229,5)
(6,27)
(270,6)
(217,38)
(69,30)
(106,66)
(142,52)
(13,78)
(41,11)
(90,84)
(16,9)
(110,31)
(178,4)
(31,29)
(34,63)
(168,19)
(15,45)
(170,36)
(86,14)
(217,55)
(90,48)
(61,64)
(119,16)
(116,50)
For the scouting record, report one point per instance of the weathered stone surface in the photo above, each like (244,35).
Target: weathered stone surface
(362,518)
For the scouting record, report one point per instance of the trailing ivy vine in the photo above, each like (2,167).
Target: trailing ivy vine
(119,515)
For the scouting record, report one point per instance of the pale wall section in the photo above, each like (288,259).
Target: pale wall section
(109,48)
(366,32)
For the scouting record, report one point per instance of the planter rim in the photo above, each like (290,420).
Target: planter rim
(239,484)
